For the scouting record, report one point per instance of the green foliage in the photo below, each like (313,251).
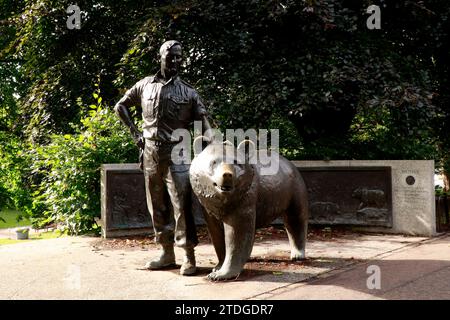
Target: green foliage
(69,166)
(350,92)
(440,192)
(290,145)
(9,113)
(312,62)
(14,192)
(61,65)
(10,217)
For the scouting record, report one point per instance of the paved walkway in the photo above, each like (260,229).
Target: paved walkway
(82,268)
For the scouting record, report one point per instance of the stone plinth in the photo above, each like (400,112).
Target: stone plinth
(359,196)
(413,200)
(391,196)
(123,202)
(124,207)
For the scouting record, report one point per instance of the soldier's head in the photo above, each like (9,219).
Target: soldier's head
(171,57)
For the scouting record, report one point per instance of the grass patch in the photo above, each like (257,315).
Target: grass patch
(10,216)
(47,235)
(10,241)
(37,236)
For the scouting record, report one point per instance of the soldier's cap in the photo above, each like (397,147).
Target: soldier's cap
(166,46)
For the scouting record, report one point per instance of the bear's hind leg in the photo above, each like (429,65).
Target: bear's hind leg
(296,224)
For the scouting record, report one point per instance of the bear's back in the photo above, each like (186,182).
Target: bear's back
(275,191)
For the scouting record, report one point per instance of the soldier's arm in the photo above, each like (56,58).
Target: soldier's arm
(122,109)
(207,128)
(202,114)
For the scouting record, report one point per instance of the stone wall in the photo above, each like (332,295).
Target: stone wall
(391,196)
(413,200)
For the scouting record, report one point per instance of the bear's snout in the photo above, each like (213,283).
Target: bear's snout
(224,177)
(227,175)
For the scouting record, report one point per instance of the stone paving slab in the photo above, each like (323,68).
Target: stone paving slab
(74,268)
(418,271)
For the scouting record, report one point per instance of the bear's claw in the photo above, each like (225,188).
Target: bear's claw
(218,276)
(297,255)
(217,267)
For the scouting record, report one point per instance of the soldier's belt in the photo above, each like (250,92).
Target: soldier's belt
(160,145)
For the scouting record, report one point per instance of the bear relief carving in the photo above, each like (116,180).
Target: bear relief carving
(372,205)
(324,211)
(123,214)
(238,199)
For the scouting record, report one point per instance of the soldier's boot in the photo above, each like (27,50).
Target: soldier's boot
(166,259)
(188,267)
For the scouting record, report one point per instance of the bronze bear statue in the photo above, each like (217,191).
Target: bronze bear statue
(238,199)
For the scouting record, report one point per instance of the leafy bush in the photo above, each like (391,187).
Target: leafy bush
(440,192)
(69,189)
(14,192)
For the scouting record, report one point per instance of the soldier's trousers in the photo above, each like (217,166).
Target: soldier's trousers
(168,193)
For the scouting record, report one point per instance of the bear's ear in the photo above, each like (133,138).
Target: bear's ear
(249,149)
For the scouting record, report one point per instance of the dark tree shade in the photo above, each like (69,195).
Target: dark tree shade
(309,65)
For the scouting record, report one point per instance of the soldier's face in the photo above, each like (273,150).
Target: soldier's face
(171,61)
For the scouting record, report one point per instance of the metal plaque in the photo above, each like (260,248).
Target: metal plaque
(124,206)
(349,195)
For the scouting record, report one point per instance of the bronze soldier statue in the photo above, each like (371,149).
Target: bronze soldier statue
(168,103)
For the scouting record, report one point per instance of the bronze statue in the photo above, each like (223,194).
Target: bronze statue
(168,103)
(238,198)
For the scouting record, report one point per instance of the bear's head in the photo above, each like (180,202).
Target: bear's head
(221,172)
(357,193)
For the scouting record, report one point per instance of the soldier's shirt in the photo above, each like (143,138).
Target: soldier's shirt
(165,106)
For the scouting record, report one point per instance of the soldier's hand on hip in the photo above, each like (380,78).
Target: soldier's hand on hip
(138,139)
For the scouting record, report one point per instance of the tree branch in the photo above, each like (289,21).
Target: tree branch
(5,22)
